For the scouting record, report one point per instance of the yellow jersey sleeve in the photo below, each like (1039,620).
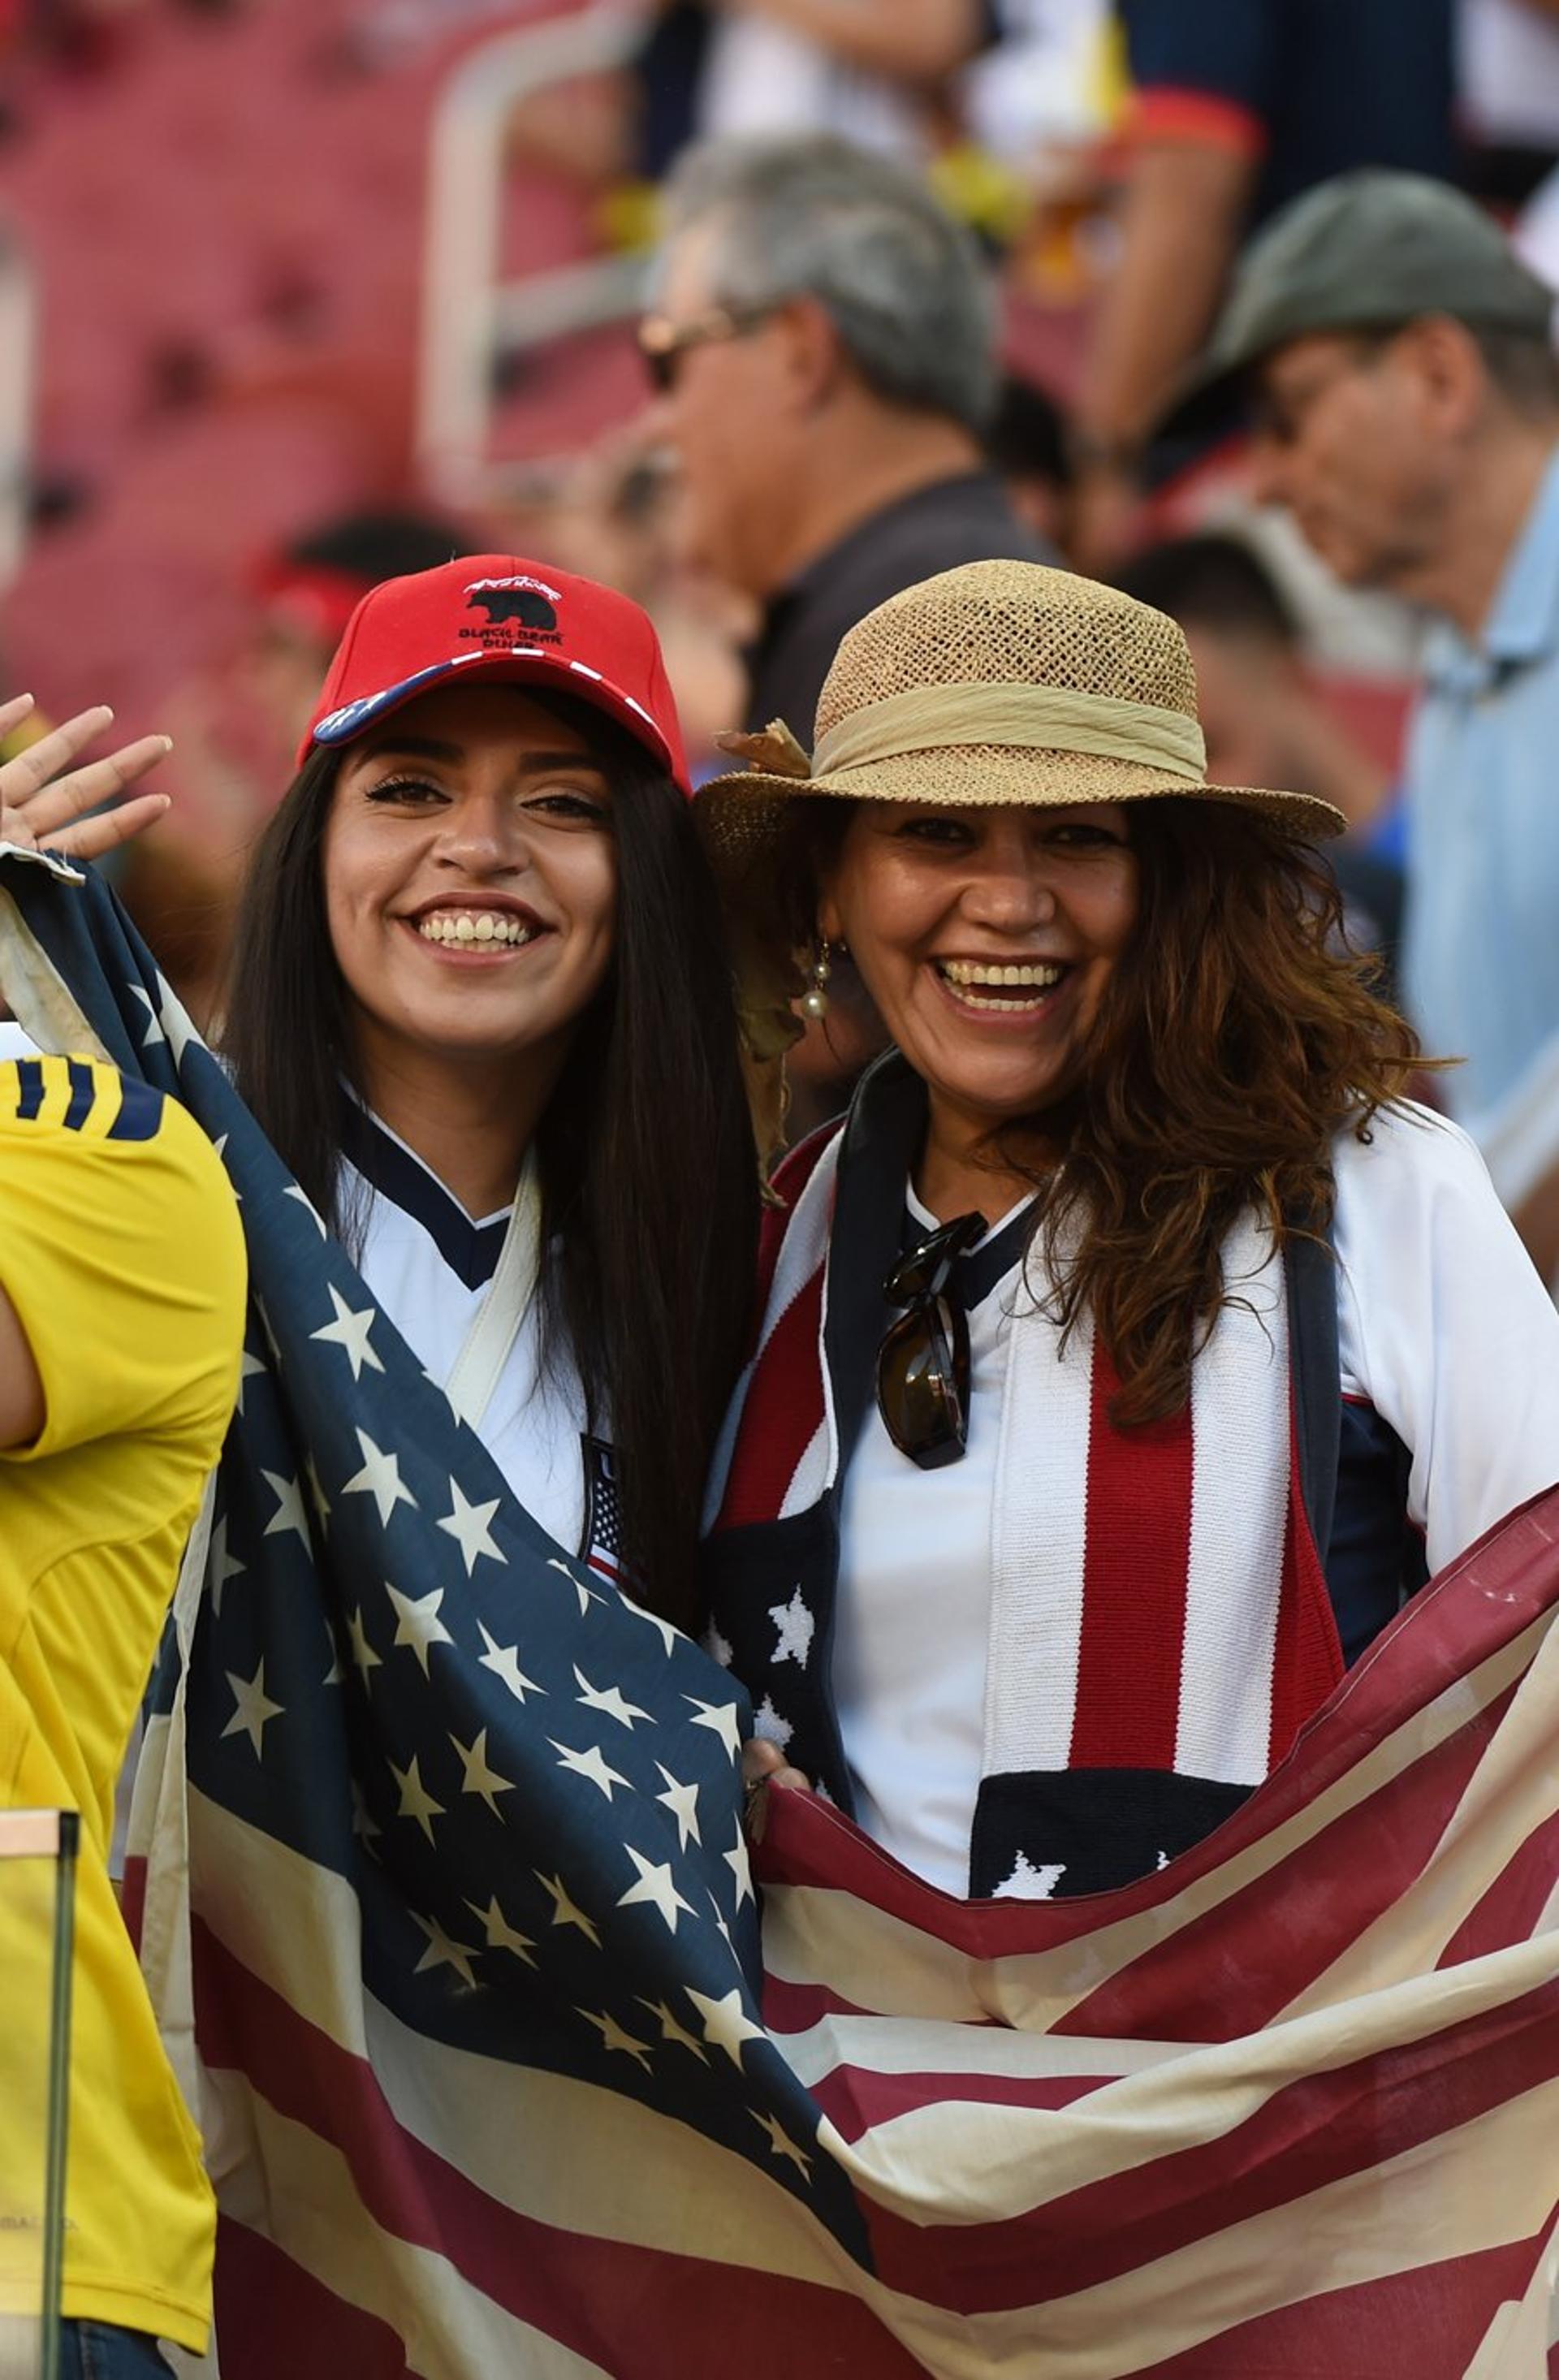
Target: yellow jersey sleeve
(121,1251)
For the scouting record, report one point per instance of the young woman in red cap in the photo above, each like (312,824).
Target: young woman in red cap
(481,1006)
(480,995)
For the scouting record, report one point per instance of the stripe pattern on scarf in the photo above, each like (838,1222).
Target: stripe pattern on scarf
(1159,1611)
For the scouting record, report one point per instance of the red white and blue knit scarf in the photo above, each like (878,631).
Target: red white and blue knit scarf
(1161,1628)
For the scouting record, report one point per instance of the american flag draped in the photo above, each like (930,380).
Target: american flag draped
(471,1952)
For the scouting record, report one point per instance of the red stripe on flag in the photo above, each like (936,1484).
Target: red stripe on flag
(1425,2324)
(1511,1908)
(795,2008)
(1269,1943)
(274,2318)
(133,1898)
(1491,1596)
(632,2310)
(783,1409)
(855,2098)
(1135,1568)
(1315,2132)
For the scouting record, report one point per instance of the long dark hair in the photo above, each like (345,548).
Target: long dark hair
(648,1178)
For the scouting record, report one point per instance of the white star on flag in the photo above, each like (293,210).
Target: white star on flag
(479,1778)
(501,1935)
(587,1595)
(300,1198)
(270,1334)
(673,2032)
(317,1496)
(468,1524)
(168,1019)
(664,1629)
(721,1649)
(782,2144)
(416,1802)
(656,1889)
(737,1861)
(253,1709)
(608,1699)
(504,1662)
(682,1801)
(722,1720)
(726,2025)
(380,1477)
(364,1653)
(349,1332)
(794,1625)
(565,1912)
(443,1388)
(441,1952)
(418,1623)
(590,1762)
(248,1366)
(614,2036)
(289,1514)
(224,1566)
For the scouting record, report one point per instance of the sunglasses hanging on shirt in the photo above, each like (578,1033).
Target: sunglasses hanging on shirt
(923,1362)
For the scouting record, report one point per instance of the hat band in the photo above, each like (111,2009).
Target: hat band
(1039,718)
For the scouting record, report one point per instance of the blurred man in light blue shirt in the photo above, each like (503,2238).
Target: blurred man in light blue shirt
(1481,963)
(1400,366)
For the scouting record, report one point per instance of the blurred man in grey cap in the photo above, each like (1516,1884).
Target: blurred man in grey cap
(1399,364)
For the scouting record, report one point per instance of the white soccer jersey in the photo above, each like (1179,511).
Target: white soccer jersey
(428,1266)
(1444,1330)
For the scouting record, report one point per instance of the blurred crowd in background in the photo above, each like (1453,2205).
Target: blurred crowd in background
(761,310)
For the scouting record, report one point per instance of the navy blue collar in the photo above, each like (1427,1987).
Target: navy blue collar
(470,1250)
(976,1274)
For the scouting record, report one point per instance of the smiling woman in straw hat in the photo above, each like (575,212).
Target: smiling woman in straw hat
(1126,1343)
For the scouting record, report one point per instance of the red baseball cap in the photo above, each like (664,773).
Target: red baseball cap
(497,615)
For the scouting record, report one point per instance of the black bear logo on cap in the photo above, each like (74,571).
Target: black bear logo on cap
(526,602)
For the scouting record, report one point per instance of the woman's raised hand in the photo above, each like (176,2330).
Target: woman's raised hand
(40,794)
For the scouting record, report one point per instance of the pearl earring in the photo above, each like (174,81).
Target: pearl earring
(814,999)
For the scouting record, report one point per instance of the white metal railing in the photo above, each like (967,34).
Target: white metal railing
(19,342)
(470,316)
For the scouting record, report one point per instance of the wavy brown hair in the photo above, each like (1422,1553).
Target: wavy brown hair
(1237,1038)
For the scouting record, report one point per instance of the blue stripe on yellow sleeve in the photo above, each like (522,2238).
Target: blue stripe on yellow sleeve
(83,1093)
(141,1112)
(30,1088)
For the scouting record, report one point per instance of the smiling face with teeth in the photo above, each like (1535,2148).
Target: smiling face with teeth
(986,937)
(470,883)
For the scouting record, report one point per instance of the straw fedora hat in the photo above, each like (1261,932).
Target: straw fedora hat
(997,683)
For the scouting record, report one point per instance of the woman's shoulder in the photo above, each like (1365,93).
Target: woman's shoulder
(1414,1206)
(1406,1151)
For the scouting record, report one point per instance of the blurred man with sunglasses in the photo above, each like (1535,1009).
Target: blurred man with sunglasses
(822,345)
(822,341)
